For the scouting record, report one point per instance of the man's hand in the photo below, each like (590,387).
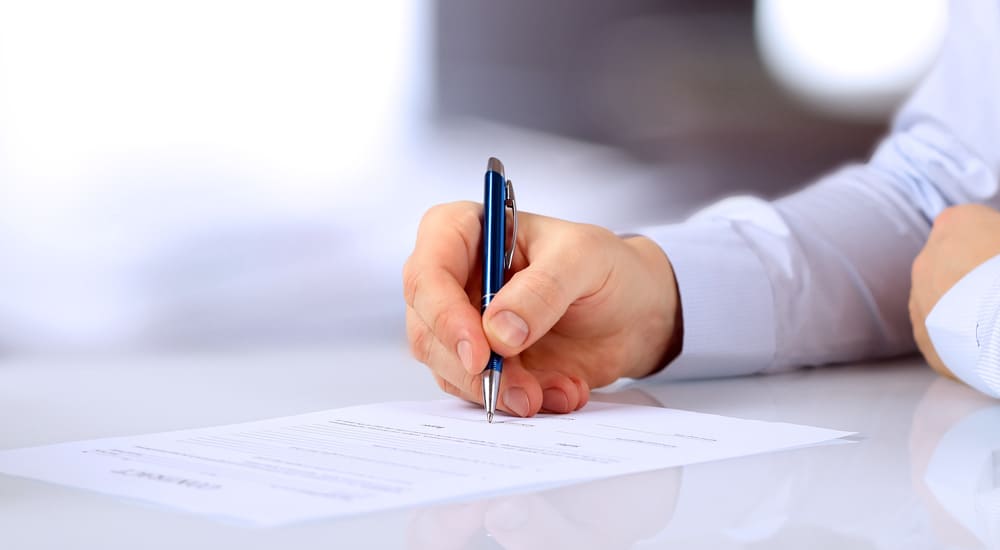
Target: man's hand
(582,308)
(962,238)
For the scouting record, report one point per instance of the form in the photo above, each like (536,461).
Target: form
(374,457)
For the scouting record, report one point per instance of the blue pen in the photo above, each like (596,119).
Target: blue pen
(498,196)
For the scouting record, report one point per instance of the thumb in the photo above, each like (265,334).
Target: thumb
(537,296)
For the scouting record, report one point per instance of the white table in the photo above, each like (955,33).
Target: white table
(928,454)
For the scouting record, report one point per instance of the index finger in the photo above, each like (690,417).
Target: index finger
(436,277)
(448,238)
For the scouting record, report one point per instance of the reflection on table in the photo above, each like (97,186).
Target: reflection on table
(924,473)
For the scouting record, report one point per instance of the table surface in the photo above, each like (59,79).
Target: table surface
(924,473)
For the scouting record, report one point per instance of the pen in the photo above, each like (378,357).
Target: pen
(497,197)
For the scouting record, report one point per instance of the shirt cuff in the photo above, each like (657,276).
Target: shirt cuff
(963,328)
(726,300)
(988,335)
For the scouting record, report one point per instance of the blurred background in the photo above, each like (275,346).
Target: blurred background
(221,174)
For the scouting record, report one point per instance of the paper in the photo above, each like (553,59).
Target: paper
(375,457)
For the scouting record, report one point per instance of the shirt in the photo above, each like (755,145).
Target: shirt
(823,275)
(964,329)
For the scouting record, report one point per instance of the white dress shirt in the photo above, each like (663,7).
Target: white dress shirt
(823,275)
(963,326)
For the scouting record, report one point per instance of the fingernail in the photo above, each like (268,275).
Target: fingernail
(511,329)
(464,349)
(555,400)
(516,400)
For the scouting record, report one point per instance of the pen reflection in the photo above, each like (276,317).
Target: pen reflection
(605,514)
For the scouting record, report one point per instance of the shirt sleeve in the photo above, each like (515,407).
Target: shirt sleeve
(823,275)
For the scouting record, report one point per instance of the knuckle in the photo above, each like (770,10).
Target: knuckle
(545,287)
(421,341)
(466,213)
(593,234)
(434,214)
(462,212)
(445,385)
(444,319)
(583,239)
(411,281)
(583,243)
(465,220)
(451,389)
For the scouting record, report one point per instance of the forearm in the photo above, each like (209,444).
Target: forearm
(822,276)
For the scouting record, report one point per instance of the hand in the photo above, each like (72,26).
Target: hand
(582,309)
(962,238)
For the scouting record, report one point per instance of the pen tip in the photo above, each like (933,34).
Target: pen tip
(489,417)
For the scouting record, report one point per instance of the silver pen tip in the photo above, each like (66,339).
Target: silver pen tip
(489,417)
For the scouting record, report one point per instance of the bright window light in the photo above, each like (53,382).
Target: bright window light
(855,58)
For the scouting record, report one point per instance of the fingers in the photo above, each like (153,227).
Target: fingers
(436,276)
(446,365)
(568,265)
(443,306)
(448,237)
(445,330)
(560,393)
(520,390)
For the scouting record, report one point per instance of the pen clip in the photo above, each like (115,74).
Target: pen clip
(511,202)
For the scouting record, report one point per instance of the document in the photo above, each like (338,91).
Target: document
(376,457)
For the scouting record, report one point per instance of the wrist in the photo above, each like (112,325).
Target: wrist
(658,334)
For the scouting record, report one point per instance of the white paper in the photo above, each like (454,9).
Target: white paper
(375,457)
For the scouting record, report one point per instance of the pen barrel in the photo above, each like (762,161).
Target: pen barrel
(494,234)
